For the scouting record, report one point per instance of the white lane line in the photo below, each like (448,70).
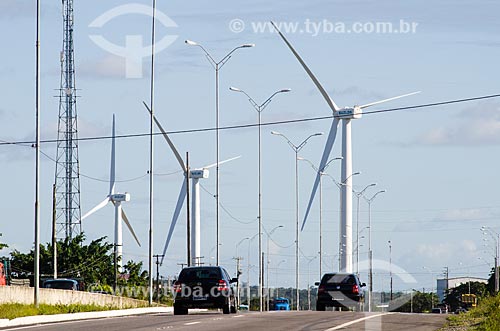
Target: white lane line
(237,316)
(192,323)
(356,321)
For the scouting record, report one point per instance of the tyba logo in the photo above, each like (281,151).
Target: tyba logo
(133,51)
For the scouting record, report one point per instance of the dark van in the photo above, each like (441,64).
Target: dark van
(62,284)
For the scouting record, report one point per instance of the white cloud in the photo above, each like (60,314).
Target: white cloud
(109,66)
(473,126)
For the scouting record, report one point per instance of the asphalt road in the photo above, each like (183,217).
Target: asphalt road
(290,321)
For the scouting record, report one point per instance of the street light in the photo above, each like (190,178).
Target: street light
(321,173)
(390,264)
(358,196)
(496,236)
(432,285)
(238,258)
(370,252)
(248,268)
(308,283)
(345,233)
(267,269)
(259,109)
(296,149)
(217,65)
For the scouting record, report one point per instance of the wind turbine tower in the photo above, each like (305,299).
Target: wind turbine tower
(67,174)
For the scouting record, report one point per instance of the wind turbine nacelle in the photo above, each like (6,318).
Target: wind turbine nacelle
(199,173)
(350,112)
(119,197)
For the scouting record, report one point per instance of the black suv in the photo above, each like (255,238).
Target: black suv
(204,287)
(342,290)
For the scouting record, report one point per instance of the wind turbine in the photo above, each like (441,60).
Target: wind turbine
(195,175)
(116,199)
(345,114)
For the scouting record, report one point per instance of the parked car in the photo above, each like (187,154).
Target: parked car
(281,304)
(340,290)
(204,287)
(436,311)
(61,284)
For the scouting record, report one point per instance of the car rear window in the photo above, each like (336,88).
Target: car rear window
(339,279)
(281,301)
(188,275)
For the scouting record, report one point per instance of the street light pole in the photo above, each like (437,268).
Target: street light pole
(238,259)
(267,269)
(321,173)
(390,265)
(259,109)
(358,196)
(432,286)
(496,236)
(345,232)
(296,149)
(308,283)
(217,65)
(248,268)
(370,252)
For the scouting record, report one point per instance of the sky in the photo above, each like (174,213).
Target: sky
(438,164)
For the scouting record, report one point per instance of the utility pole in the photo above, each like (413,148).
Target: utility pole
(157,257)
(238,273)
(54,231)
(261,289)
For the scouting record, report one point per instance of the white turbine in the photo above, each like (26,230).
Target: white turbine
(195,175)
(116,199)
(345,114)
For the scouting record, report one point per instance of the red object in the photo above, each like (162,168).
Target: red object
(177,287)
(355,289)
(222,285)
(3,281)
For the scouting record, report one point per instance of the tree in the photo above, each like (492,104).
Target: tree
(491,282)
(2,245)
(454,296)
(419,301)
(93,262)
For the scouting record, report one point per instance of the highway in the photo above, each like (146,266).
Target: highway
(268,321)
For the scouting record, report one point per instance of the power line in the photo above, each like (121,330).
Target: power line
(245,126)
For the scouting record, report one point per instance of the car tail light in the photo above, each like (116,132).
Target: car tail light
(355,289)
(321,289)
(222,285)
(177,287)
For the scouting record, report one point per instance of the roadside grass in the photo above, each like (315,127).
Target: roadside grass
(485,317)
(15,310)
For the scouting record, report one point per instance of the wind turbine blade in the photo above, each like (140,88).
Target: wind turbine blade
(125,219)
(324,160)
(169,142)
(221,162)
(178,207)
(385,100)
(325,95)
(96,208)
(112,169)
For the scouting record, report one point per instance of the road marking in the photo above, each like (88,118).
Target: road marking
(237,316)
(355,321)
(192,323)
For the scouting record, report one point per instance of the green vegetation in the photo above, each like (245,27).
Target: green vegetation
(15,310)
(485,317)
(93,263)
